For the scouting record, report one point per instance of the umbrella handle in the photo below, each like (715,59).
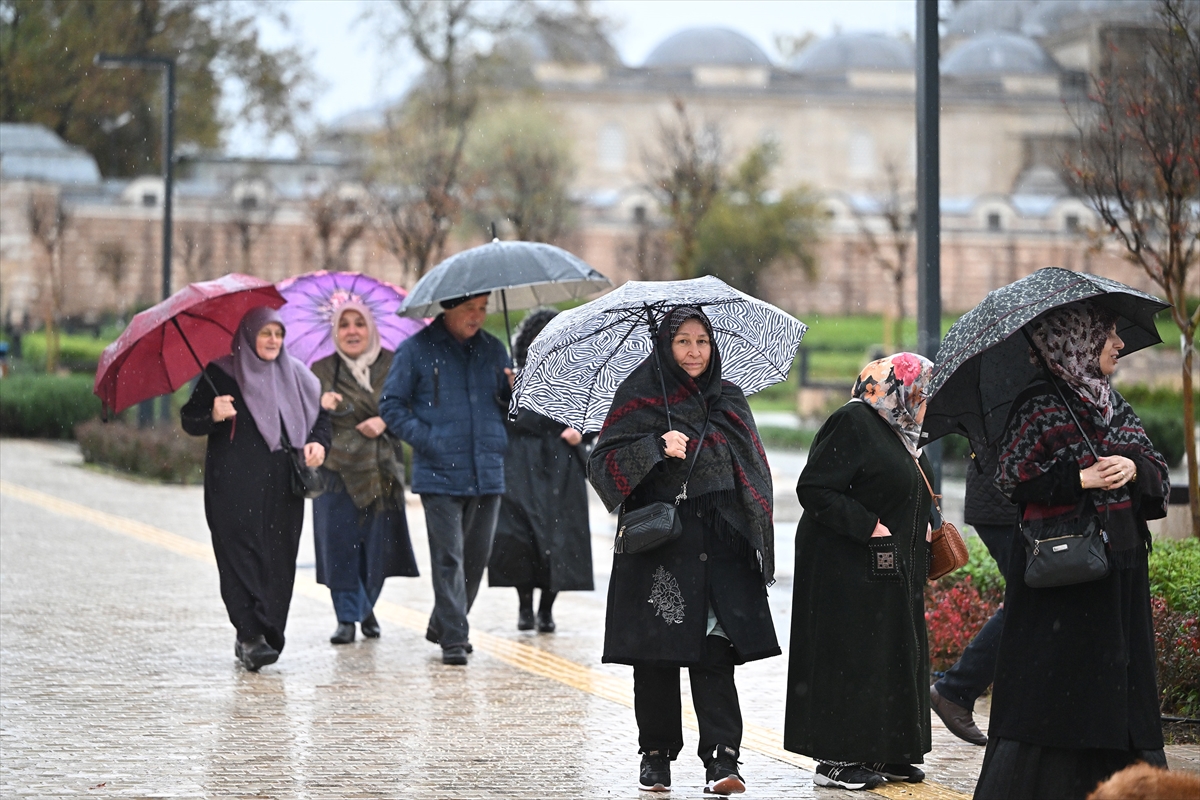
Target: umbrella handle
(658,362)
(203,371)
(504,302)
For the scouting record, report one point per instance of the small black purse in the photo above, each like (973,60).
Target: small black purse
(304,481)
(655,524)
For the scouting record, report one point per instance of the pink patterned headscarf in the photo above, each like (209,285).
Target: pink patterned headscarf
(1071,339)
(895,387)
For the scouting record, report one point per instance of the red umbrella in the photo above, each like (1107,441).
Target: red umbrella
(168,344)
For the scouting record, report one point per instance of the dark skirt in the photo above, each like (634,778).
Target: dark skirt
(1021,771)
(342,531)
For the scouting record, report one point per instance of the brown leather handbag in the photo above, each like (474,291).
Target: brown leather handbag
(947,550)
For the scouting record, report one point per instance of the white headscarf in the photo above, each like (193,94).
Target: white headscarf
(359,367)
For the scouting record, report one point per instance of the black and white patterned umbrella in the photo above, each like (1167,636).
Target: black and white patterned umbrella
(983,363)
(579,359)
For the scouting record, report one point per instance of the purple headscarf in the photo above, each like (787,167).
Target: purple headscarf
(283,389)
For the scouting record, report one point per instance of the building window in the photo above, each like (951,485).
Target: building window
(149,199)
(861,153)
(249,202)
(610,147)
(993,221)
(1071,222)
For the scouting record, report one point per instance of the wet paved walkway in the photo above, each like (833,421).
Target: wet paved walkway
(117,675)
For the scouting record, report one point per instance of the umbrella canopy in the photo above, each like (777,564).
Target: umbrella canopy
(984,361)
(576,363)
(168,344)
(526,274)
(312,298)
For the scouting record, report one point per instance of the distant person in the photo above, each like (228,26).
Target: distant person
(857,700)
(992,517)
(543,540)
(360,529)
(1075,697)
(700,601)
(267,402)
(447,395)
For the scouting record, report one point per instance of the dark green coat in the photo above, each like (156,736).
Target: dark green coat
(858,673)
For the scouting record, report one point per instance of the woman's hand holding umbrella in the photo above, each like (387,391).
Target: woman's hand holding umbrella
(676,444)
(223,408)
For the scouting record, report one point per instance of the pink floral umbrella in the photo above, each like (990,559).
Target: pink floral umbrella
(313,297)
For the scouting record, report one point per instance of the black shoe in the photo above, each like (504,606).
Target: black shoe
(525,619)
(656,772)
(370,626)
(722,773)
(898,772)
(958,720)
(455,655)
(545,622)
(847,776)
(344,633)
(431,636)
(256,653)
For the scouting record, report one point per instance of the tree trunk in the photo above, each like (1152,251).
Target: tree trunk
(1189,435)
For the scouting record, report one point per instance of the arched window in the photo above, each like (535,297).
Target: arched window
(610,147)
(861,154)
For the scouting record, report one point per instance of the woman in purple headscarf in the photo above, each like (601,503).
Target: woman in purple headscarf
(265,401)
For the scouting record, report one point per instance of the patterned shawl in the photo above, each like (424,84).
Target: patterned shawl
(1070,339)
(731,478)
(895,388)
(1041,434)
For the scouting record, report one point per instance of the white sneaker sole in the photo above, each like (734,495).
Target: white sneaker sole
(725,786)
(821,780)
(658,787)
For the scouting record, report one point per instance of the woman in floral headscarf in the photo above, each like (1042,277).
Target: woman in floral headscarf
(858,672)
(1075,697)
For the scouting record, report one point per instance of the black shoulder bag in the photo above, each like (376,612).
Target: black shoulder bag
(303,480)
(655,524)
(1064,552)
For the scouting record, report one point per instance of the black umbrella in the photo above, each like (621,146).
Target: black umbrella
(984,361)
(519,274)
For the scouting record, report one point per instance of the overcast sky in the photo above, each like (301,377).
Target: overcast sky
(357,74)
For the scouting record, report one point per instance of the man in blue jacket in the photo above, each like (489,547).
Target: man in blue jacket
(447,395)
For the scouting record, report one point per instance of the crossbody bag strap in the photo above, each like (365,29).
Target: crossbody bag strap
(935,497)
(695,457)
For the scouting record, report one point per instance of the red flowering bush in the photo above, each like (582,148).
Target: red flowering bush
(953,615)
(1177,643)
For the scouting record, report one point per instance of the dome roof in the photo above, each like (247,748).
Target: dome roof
(1054,16)
(555,40)
(972,17)
(849,51)
(705,46)
(997,54)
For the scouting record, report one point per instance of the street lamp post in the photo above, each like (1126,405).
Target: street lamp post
(929,218)
(167,65)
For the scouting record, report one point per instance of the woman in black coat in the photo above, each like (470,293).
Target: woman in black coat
(360,530)
(1075,696)
(542,538)
(858,671)
(264,400)
(700,601)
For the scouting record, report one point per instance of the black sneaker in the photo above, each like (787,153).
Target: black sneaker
(656,772)
(898,772)
(456,656)
(847,776)
(722,773)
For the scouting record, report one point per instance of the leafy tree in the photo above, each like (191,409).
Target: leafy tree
(748,230)
(1139,166)
(49,77)
(521,162)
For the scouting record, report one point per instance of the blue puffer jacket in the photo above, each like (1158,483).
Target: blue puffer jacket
(448,400)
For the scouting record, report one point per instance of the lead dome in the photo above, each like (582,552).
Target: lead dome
(707,46)
(998,54)
(854,51)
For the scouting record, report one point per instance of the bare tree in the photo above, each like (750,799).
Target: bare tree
(112,262)
(685,175)
(194,248)
(890,251)
(49,220)
(1139,166)
(648,254)
(250,212)
(338,220)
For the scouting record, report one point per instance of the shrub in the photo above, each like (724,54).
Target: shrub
(1165,429)
(1175,574)
(980,569)
(46,405)
(953,615)
(163,453)
(786,438)
(1177,645)
(75,352)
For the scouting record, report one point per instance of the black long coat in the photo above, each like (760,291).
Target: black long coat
(254,518)
(542,536)
(858,673)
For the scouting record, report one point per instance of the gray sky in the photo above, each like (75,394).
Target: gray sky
(356,74)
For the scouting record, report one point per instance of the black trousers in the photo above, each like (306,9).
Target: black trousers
(657,707)
(976,667)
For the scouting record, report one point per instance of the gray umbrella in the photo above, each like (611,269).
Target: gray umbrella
(519,274)
(984,361)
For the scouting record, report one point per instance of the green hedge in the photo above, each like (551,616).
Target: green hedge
(786,438)
(76,353)
(47,406)
(1175,574)
(162,452)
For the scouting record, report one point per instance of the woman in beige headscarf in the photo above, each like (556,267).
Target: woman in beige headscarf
(359,525)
